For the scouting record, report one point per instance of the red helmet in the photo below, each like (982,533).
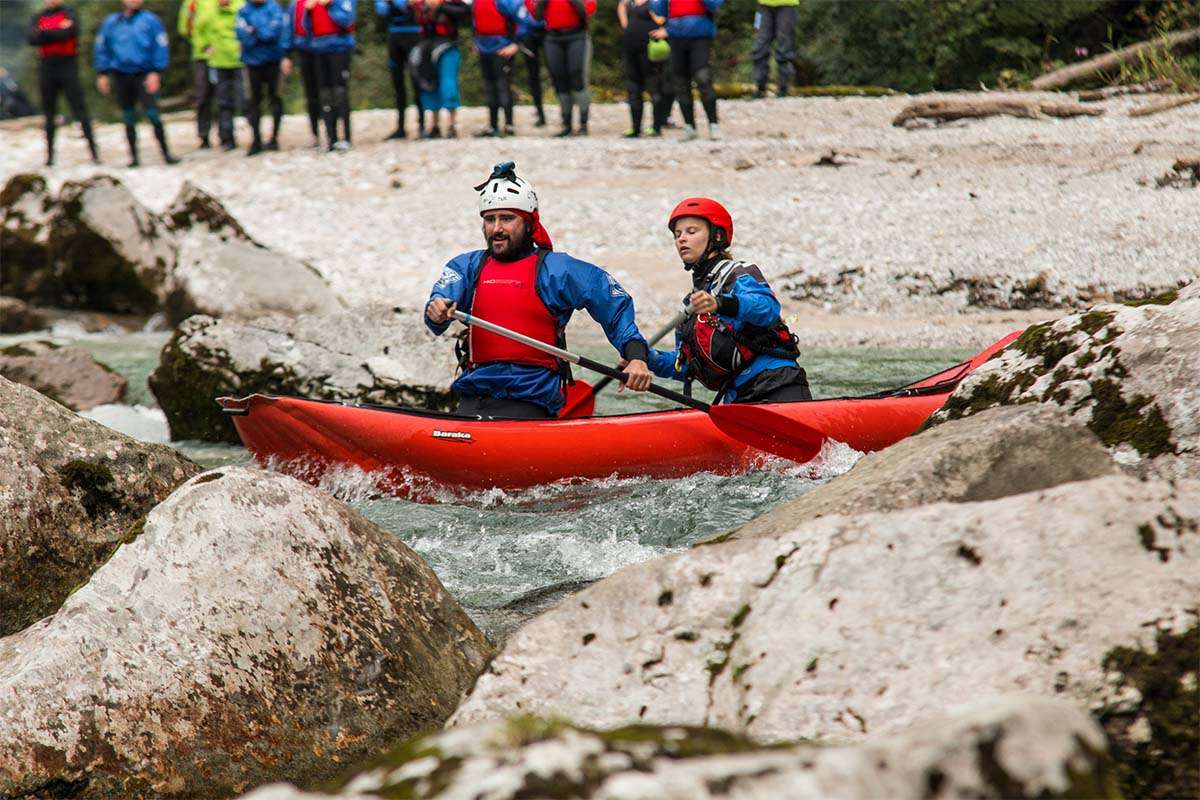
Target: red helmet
(705,209)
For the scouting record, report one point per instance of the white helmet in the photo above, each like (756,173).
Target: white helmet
(504,190)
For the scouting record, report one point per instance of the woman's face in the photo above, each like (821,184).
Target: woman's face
(691,238)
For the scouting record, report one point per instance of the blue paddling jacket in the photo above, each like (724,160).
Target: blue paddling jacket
(263,32)
(133,43)
(518,17)
(398,14)
(325,29)
(688,19)
(565,284)
(747,301)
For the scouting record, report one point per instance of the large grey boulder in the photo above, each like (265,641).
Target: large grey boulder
(26,211)
(236,279)
(998,453)
(66,374)
(1010,747)
(372,354)
(71,490)
(251,629)
(109,251)
(1130,373)
(846,626)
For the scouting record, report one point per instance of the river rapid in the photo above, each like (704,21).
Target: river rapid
(495,548)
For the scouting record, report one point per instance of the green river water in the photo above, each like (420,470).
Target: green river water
(494,547)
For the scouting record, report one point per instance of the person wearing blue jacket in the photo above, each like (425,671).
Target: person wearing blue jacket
(496,24)
(129,57)
(403,34)
(735,341)
(264,34)
(521,283)
(691,29)
(325,29)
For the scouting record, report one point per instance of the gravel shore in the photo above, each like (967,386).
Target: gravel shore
(890,247)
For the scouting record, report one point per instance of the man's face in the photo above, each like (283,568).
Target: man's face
(53,3)
(131,5)
(504,231)
(691,238)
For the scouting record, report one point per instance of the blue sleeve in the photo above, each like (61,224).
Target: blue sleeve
(662,363)
(757,304)
(285,35)
(568,283)
(101,59)
(712,5)
(451,285)
(513,10)
(273,30)
(383,8)
(658,8)
(161,47)
(242,29)
(343,12)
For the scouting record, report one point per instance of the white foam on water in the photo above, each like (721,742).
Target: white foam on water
(140,422)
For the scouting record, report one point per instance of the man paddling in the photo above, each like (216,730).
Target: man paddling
(520,282)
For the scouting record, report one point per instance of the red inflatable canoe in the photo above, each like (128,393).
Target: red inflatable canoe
(412,453)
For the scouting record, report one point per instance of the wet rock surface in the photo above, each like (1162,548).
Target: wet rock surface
(370,355)
(1005,748)
(997,453)
(17,316)
(71,491)
(849,626)
(250,629)
(1126,371)
(68,375)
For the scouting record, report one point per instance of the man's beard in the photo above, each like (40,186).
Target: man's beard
(514,246)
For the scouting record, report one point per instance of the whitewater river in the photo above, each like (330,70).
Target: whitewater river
(495,547)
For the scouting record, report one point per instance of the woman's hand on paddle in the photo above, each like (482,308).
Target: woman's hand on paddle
(638,375)
(440,310)
(702,302)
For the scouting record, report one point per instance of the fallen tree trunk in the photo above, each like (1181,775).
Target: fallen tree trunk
(1165,105)
(946,110)
(1061,78)
(1149,87)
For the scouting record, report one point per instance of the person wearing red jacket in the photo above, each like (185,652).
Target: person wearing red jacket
(54,31)
(568,55)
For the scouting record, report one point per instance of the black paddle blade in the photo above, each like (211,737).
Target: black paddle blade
(769,431)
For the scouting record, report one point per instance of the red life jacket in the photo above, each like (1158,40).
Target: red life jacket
(715,353)
(322,23)
(67,47)
(488,19)
(685,8)
(506,294)
(562,16)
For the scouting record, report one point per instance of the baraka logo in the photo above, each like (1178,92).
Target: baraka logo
(461,436)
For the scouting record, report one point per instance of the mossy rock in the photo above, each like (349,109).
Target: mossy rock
(1161,762)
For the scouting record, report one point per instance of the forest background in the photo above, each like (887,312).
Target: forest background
(903,45)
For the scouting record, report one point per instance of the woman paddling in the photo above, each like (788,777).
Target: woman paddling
(735,343)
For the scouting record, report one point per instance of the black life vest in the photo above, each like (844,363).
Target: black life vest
(715,353)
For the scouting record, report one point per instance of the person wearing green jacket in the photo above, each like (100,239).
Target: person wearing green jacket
(216,27)
(774,22)
(205,90)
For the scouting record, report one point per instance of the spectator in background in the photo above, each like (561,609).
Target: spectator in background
(775,21)
(691,30)
(531,36)
(55,33)
(640,32)
(264,34)
(202,86)
(568,55)
(436,61)
(216,25)
(302,47)
(328,27)
(495,23)
(130,55)
(403,34)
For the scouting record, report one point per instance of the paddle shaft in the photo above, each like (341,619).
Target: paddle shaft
(675,322)
(583,361)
